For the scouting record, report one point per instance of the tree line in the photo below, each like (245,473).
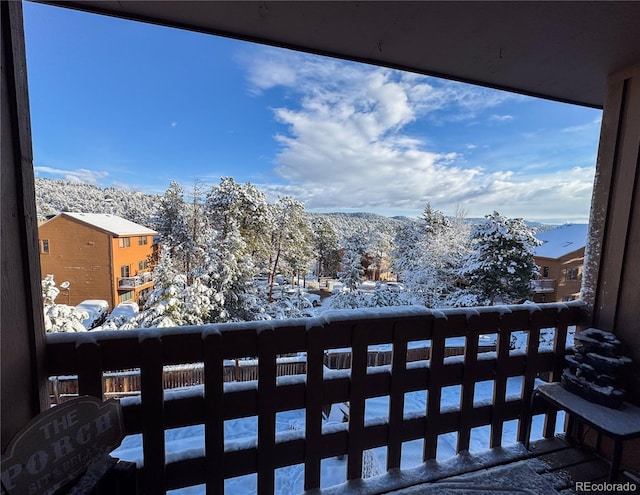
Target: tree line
(223,248)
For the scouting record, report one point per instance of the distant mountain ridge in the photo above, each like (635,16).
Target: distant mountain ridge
(55,196)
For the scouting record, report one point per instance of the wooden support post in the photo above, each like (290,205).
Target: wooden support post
(214,412)
(396,395)
(90,380)
(152,393)
(267,410)
(611,285)
(313,418)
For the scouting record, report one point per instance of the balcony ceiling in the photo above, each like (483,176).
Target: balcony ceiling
(557,50)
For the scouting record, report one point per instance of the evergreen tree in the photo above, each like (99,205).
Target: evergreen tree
(172,224)
(242,208)
(351,275)
(165,303)
(428,255)
(501,266)
(325,242)
(291,239)
(240,221)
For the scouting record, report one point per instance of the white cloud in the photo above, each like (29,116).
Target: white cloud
(79,175)
(174,124)
(500,118)
(346,146)
(589,126)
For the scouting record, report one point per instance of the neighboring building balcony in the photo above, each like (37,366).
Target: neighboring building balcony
(214,402)
(544,285)
(128,283)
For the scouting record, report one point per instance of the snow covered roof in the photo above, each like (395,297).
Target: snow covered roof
(562,240)
(113,224)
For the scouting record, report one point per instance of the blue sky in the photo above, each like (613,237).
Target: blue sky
(115,102)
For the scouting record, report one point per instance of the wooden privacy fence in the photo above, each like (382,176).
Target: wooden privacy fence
(342,360)
(127,383)
(88,356)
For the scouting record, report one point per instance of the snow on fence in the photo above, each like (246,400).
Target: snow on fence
(341,360)
(89,355)
(127,383)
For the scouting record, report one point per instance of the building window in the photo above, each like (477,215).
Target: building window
(124,271)
(126,296)
(571,274)
(142,240)
(143,265)
(545,271)
(44,245)
(124,242)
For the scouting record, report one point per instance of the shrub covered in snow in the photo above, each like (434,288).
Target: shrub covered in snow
(60,317)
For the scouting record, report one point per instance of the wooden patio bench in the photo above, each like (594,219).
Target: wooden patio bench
(619,425)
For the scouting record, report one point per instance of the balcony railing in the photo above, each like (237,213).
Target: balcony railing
(143,278)
(544,285)
(89,355)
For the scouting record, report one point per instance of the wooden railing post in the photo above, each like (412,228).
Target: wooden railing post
(267,409)
(359,358)
(151,381)
(503,347)
(468,380)
(214,412)
(434,388)
(476,323)
(89,369)
(313,401)
(531,371)
(396,395)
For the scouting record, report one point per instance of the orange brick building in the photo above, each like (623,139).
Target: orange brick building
(101,256)
(560,260)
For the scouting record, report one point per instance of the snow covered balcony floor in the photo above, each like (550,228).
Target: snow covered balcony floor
(214,404)
(551,466)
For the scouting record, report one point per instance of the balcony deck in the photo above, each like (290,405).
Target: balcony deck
(553,466)
(127,283)
(90,355)
(544,285)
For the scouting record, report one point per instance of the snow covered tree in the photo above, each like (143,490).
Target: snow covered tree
(351,264)
(383,296)
(231,271)
(163,307)
(172,224)
(291,305)
(325,242)
(501,266)
(291,239)
(56,196)
(428,255)
(242,208)
(240,221)
(60,317)
(351,275)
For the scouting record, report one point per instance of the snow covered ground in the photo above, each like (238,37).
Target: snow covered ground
(289,480)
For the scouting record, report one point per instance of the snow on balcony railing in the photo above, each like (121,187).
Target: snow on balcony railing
(544,285)
(133,282)
(88,355)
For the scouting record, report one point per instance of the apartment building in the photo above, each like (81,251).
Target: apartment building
(560,259)
(101,256)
